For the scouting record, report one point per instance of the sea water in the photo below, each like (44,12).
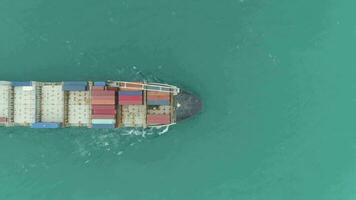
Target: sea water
(277,79)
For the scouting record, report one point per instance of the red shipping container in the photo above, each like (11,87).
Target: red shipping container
(103,106)
(102,102)
(103,97)
(103,116)
(102,109)
(130,98)
(158,119)
(104,112)
(103,93)
(3,119)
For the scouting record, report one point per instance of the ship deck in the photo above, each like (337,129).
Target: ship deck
(108,104)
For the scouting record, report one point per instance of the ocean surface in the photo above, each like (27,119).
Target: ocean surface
(277,79)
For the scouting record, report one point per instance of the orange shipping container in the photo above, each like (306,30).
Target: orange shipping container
(102,102)
(103,97)
(157,97)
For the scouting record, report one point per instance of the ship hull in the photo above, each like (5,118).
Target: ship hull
(98,104)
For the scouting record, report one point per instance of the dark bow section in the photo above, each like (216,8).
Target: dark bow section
(187,105)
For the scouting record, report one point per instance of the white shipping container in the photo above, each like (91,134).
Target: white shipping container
(52,103)
(24,105)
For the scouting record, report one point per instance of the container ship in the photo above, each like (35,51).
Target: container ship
(94,104)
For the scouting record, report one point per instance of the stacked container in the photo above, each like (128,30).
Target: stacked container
(52,103)
(3,120)
(158,119)
(132,106)
(158,98)
(5,101)
(131,97)
(103,108)
(25,103)
(79,108)
(160,101)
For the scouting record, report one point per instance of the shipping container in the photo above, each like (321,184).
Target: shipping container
(103,93)
(95,110)
(133,115)
(130,102)
(100,83)
(104,112)
(77,83)
(158,119)
(158,102)
(158,97)
(52,103)
(103,126)
(74,88)
(103,116)
(8,83)
(103,107)
(102,102)
(20,84)
(103,121)
(45,125)
(103,97)
(130,98)
(3,119)
(25,105)
(78,108)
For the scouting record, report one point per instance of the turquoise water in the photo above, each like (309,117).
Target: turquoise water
(276,78)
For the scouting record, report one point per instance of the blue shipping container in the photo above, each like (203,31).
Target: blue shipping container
(74,88)
(103,121)
(81,83)
(130,93)
(158,102)
(100,83)
(46,125)
(20,84)
(103,126)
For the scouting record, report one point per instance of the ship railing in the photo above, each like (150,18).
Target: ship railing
(156,87)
